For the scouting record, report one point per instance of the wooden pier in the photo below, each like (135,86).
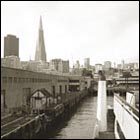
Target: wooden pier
(28,126)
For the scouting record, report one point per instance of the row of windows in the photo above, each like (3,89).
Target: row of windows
(27,93)
(23,80)
(62,81)
(74,81)
(60,89)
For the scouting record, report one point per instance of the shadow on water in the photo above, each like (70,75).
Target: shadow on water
(77,123)
(62,122)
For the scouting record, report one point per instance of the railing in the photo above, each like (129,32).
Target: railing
(127,117)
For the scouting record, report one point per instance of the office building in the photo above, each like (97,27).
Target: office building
(11,46)
(87,63)
(107,65)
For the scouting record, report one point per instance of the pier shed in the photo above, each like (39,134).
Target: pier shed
(40,99)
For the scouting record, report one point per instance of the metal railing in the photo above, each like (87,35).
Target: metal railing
(126,105)
(127,116)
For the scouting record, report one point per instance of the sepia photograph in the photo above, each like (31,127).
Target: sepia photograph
(69,69)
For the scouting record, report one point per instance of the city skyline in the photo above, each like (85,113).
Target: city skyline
(75,35)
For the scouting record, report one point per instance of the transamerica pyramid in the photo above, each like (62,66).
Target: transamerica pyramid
(40,54)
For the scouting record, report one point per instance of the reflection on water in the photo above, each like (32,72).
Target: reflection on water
(81,124)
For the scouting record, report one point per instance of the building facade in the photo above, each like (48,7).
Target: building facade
(98,67)
(59,65)
(11,61)
(87,63)
(119,66)
(63,66)
(77,65)
(123,64)
(54,64)
(17,85)
(107,65)
(11,46)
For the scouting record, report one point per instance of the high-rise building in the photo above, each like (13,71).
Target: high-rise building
(77,65)
(11,46)
(136,65)
(98,67)
(87,63)
(119,66)
(59,65)
(107,64)
(40,54)
(54,63)
(63,66)
(123,64)
(114,64)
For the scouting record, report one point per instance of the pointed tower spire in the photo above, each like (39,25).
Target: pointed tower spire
(40,25)
(40,54)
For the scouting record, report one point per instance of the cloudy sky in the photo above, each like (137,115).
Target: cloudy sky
(75,30)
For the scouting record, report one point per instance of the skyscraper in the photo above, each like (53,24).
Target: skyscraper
(60,65)
(40,54)
(123,64)
(63,66)
(11,46)
(77,65)
(87,63)
(107,64)
(98,67)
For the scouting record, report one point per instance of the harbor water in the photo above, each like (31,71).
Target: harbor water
(78,125)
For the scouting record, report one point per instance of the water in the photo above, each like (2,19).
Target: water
(81,124)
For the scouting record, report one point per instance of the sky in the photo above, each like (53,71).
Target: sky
(74,30)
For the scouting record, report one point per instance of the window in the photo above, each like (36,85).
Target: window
(65,88)
(74,81)
(22,80)
(26,80)
(15,79)
(4,79)
(35,80)
(19,80)
(3,105)
(30,80)
(26,95)
(10,79)
(53,90)
(60,89)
